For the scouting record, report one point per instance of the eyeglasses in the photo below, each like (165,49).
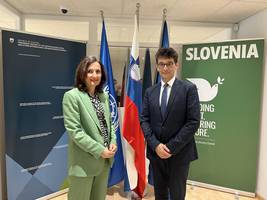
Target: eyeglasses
(168,65)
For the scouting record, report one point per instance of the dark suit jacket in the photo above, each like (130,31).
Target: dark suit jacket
(179,125)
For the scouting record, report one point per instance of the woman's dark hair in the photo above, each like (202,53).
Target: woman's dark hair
(167,53)
(81,74)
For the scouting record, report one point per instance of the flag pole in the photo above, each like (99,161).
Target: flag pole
(164,13)
(138,5)
(102,15)
(164,16)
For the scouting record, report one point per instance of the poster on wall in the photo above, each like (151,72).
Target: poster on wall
(37,71)
(228,76)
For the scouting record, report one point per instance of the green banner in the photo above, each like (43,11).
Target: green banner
(228,76)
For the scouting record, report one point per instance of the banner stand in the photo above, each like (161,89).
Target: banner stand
(222,189)
(228,76)
(55,194)
(36,71)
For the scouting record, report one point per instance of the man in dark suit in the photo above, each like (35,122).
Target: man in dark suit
(169,119)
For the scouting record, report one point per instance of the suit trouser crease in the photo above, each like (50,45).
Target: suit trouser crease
(169,179)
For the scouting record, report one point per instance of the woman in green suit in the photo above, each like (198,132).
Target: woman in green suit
(92,140)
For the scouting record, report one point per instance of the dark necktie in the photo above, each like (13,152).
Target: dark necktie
(163,105)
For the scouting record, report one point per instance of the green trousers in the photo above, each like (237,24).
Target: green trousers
(89,188)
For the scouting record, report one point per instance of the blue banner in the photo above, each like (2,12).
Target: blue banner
(37,71)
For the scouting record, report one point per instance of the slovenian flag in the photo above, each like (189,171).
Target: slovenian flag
(117,171)
(132,132)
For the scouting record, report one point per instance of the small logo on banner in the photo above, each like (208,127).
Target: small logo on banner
(114,109)
(206,92)
(11,40)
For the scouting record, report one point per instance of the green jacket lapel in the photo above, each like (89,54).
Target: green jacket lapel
(91,110)
(89,106)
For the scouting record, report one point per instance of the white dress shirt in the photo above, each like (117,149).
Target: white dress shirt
(169,87)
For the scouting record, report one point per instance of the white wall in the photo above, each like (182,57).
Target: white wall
(8,19)
(74,30)
(221,35)
(255,27)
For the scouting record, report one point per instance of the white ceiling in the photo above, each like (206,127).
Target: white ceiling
(222,11)
(218,12)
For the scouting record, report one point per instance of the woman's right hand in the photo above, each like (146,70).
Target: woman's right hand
(107,153)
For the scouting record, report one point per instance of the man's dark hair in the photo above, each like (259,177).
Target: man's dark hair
(167,53)
(81,74)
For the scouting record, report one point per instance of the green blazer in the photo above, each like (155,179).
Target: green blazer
(85,140)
